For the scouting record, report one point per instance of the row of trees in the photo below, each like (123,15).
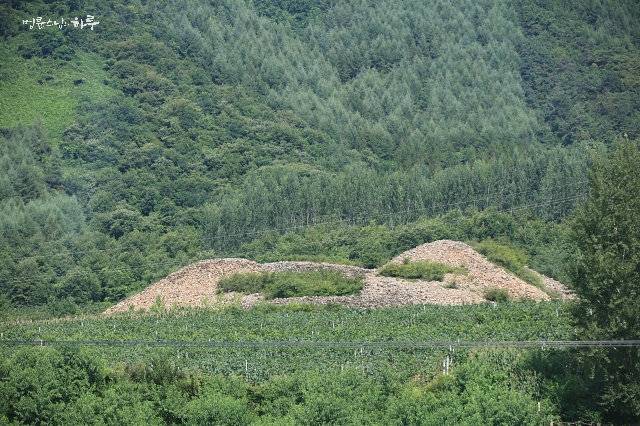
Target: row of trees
(71,387)
(411,83)
(91,244)
(548,182)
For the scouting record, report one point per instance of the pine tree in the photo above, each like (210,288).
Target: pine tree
(606,274)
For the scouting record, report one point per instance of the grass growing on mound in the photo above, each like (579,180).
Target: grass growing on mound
(290,284)
(512,260)
(426,270)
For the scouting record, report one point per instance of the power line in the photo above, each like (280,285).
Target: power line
(43,277)
(362,217)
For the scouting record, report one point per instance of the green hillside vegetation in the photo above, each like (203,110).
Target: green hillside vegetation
(511,259)
(292,284)
(46,89)
(191,136)
(351,131)
(168,385)
(424,270)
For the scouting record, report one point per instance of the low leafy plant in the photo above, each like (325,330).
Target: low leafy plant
(496,294)
(425,270)
(291,284)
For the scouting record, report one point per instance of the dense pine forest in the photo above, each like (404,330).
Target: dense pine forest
(344,131)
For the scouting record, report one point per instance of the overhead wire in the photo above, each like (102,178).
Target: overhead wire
(250,252)
(298,227)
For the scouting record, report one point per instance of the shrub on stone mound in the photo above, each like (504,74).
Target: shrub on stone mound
(292,284)
(426,270)
(496,294)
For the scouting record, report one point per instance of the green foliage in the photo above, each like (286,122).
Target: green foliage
(483,387)
(506,321)
(37,384)
(298,14)
(219,410)
(424,270)
(292,284)
(469,396)
(49,44)
(5,306)
(605,271)
(605,267)
(543,243)
(584,91)
(504,256)
(290,385)
(511,259)
(563,378)
(46,88)
(159,370)
(496,294)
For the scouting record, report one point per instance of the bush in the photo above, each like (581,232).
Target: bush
(290,284)
(496,294)
(429,271)
(504,256)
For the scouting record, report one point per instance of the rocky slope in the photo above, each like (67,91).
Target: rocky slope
(196,284)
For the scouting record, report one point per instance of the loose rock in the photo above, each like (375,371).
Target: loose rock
(197,284)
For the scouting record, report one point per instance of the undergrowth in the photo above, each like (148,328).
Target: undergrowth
(513,260)
(291,284)
(425,270)
(496,294)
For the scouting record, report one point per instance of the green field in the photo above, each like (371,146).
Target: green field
(197,383)
(47,88)
(303,323)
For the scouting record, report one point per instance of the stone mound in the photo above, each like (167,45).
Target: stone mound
(197,284)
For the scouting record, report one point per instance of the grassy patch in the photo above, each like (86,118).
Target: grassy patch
(47,88)
(426,270)
(510,259)
(290,284)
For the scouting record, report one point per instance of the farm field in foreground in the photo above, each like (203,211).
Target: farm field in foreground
(197,384)
(301,323)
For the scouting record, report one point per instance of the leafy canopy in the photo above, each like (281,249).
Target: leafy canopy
(606,265)
(605,273)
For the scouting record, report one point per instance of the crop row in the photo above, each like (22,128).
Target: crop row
(486,322)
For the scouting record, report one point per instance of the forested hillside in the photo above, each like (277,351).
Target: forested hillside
(345,131)
(173,132)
